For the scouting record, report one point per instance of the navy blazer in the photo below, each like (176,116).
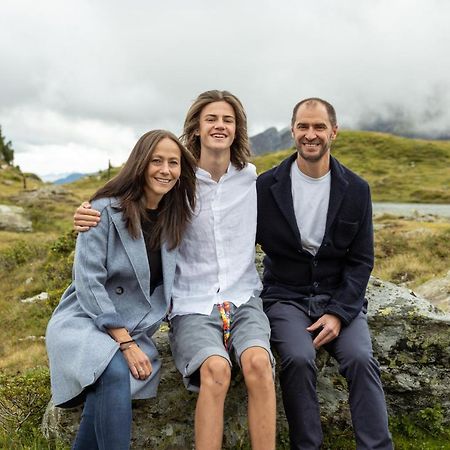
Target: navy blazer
(342,266)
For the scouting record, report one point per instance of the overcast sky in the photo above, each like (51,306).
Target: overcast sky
(81,80)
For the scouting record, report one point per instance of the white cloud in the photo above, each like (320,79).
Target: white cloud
(75,72)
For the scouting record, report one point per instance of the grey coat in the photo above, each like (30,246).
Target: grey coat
(110,289)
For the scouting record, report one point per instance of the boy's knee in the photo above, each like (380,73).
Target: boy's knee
(256,366)
(215,374)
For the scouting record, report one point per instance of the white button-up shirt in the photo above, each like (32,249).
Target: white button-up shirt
(216,259)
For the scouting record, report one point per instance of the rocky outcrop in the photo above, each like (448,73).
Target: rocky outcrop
(271,140)
(12,218)
(44,194)
(411,340)
(437,291)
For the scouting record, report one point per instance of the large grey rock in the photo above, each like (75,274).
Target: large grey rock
(411,340)
(12,218)
(42,195)
(437,291)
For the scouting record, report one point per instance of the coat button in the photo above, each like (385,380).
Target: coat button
(316,284)
(119,290)
(315,262)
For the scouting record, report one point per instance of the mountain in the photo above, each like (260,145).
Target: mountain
(271,140)
(62,178)
(69,178)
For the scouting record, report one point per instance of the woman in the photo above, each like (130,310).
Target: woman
(99,337)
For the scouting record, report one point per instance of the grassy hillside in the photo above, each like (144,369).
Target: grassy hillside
(398,169)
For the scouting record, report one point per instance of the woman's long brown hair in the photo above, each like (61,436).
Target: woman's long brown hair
(175,208)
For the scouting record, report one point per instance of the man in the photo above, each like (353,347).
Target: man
(216,310)
(315,226)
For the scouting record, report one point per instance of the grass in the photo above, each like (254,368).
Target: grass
(408,252)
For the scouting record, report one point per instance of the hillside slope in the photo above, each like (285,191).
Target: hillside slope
(398,169)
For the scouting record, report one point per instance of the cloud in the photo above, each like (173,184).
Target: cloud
(85,70)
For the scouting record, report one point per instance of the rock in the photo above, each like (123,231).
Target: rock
(52,193)
(12,218)
(411,340)
(36,298)
(437,291)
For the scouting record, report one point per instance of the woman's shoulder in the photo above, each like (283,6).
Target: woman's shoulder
(105,202)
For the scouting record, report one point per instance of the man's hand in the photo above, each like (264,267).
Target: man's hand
(331,327)
(85,217)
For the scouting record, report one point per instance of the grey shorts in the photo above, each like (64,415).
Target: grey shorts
(195,337)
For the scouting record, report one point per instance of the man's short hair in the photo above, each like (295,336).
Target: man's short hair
(329,107)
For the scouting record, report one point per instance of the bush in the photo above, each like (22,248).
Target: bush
(23,399)
(18,254)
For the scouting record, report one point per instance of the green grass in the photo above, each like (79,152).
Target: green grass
(397,169)
(409,252)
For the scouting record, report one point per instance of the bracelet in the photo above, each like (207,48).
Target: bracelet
(126,342)
(122,349)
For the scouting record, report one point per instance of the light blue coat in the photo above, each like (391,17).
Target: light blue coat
(110,288)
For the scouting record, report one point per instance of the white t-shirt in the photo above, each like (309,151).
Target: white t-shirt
(216,259)
(311,197)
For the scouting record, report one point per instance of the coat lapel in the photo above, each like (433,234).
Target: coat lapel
(168,264)
(337,192)
(282,193)
(136,252)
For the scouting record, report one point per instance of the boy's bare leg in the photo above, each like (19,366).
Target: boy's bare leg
(258,377)
(215,375)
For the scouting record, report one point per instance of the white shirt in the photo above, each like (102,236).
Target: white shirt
(311,197)
(216,259)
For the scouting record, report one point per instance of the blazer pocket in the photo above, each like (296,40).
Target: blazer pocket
(344,233)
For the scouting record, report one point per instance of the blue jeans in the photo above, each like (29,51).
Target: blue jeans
(106,419)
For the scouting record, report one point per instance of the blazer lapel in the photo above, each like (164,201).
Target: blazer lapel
(282,193)
(168,264)
(337,191)
(136,251)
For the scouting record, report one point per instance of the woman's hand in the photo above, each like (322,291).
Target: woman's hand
(138,362)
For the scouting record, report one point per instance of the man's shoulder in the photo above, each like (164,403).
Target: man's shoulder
(269,175)
(351,177)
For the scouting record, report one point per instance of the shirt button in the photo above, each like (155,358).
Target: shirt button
(119,290)
(316,284)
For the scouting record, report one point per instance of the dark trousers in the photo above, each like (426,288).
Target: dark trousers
(353,351)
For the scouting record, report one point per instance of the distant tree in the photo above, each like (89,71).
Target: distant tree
(6,150)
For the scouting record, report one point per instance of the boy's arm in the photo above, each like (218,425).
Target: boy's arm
(85,217)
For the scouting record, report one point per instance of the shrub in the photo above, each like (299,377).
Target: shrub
(18,254)
(23,399)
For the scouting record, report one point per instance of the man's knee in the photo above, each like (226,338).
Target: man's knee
(301,360)
(359,361)
(256,366)
(215,374)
